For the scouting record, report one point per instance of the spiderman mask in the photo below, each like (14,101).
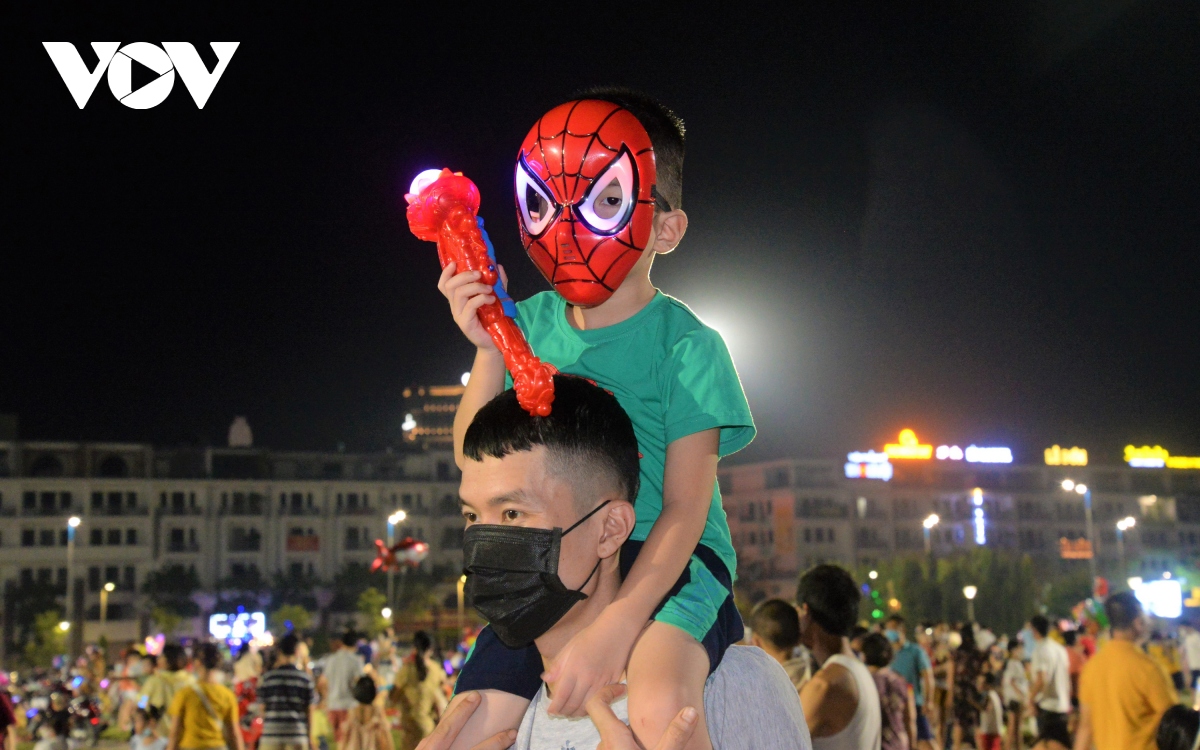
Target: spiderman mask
(585,197)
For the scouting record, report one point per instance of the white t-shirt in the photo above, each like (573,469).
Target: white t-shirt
(342,668)
(991,718)
(1050,661)
(1191,650)
(749,704)
(1015,682)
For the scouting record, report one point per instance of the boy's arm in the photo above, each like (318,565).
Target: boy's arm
(598,654)
(486,382)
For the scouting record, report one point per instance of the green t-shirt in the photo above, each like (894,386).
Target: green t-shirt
(672,374)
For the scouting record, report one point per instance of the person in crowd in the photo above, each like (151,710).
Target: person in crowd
(342,669)
(1050,686)
(366,727)
(965,667)
(205,712)
(419,693)
(8,719)
(524,478)
(898,709)
(841,702)
(145,734)
(911,662)
(1189,645)
(775,628)
(1178,729)
(52,734)
(856,638)
(249,664)
(286,694)
(160,688)
(1162,650)
(1123,693)
(1014,689)
(991,713)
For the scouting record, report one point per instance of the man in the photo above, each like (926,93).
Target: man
(912,663)
(775,628)
(1122,692)
(342,668)
(1051,687)
(841,702)
(1190,644)
(524,480)
(286,693)
(160,688)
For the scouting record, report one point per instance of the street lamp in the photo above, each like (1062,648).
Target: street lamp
(1069,485)
(393,521)
(72,524)
(64,626)
(929,523)
(462,582)
(970,592)
(104,592)
(1125,524)
(386,613)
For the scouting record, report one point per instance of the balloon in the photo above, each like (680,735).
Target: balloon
(407,551)
(443,210)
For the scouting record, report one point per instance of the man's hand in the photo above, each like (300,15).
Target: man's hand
(452,723)
(596,656)
(467,294)
(615,735)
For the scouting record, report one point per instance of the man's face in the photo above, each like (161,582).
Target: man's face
(519,490)
(808,632)
(894,632)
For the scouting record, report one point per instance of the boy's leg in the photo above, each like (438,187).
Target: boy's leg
(505,678)
(497,711)
(667,671)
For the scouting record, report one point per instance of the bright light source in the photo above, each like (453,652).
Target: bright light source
(463,578)
(1159,598)
(873,574)
(74,521)
(1081,489)
(397,517)
(424,180)
(466,378)
(908,447)
(970,591)
(64,626)
(980,527)
(1167,574)
(110,587)
(977,497)
(931,521)
(386,613)
(1130,522)
(409,423)
(1068,485)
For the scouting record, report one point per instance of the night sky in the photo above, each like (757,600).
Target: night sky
(981,224)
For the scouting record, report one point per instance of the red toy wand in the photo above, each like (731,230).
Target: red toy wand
(443,209)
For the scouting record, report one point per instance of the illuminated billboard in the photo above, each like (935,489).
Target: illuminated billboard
(908,447)
(1158,458)
(1160,598)
(238,627)
(868,465)
(1056,456)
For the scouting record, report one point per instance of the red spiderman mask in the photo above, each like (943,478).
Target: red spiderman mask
(585,197)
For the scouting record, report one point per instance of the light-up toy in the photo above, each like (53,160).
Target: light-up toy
(443,208)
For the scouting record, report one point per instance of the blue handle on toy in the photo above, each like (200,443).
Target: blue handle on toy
(510,307)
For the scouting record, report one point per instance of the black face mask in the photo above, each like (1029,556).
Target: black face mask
(512,578)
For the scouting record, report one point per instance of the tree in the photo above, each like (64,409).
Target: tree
(351,581)
(165,619)
(290,617)
(49,640)
(371,603)
(26,603)
(170,588)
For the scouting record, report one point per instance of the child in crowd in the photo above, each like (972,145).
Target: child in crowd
(367,727)
(897,702)
(1178,729)
(52,734)
(775,628)
(599,185)
(145,730)
(991,713)
(1014,688)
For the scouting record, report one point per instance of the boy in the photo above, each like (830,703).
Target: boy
(599,182)
(991,713)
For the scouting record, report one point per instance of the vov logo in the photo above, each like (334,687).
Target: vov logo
(118,61)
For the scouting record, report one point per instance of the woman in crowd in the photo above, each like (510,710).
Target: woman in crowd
(965,668)
(366,726)
(418,692)
(897,703)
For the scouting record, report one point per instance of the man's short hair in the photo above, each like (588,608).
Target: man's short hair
(832,598)
(287,644)
(175,657)
(1122,609)
(1069,637)
(588,437)
(1040,624)
(208,655)
(897,620)
(1014,644)
(776,622)
(349,638)
(665,129)
(877,650)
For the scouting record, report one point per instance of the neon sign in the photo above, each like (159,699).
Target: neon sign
(237,627)
(1056,456)
(974,454)
(980,524)
(868,465)
(907,447)
(1158,458)
(1079,549)
(1162,598)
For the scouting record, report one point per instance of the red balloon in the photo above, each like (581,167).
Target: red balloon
(444,211)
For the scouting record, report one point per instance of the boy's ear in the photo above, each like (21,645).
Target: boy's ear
(669,228)
(619,519)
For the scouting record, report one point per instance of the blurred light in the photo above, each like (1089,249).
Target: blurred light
(894,604)
(466,378)
(1081,489)
(1167,574)
(949,452)
(876,613)
(1130,522)
(386,613)
(1068,485)
(873,574)
(64,626)
(977,496)
(110,587)
(980,531)
(408,423)
(1056,456)
(867,457)
(424,180)
(865,588)
(882,471)
(970,591)
(397,517)
(1134,582)
(1159,598)
(931,521)
(462,578)
(977,455)
(1146,457)
(74,522)
(908,447)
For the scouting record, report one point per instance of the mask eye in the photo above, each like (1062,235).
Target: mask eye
(611,198)
(534,203)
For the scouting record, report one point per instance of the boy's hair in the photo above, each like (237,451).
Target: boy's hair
(1177,729)
(588,437)
(208,655)
(349,639)
(1040,624)
(1069,637)
(149,713)
(175,657)
(1014,644)
(665,129)
(1122,610)
(776,622)
(896,620)
(990,679)
(832,598)
(876,650)
(287,644)
(364,690)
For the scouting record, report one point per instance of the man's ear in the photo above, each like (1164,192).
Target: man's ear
(669,229)
(619,519)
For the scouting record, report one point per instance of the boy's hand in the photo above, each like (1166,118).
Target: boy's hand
(467,294)
(595,657)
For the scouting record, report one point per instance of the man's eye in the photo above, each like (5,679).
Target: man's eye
(512,515)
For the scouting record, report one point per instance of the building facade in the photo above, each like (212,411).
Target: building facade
(788,515)
(229,514)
